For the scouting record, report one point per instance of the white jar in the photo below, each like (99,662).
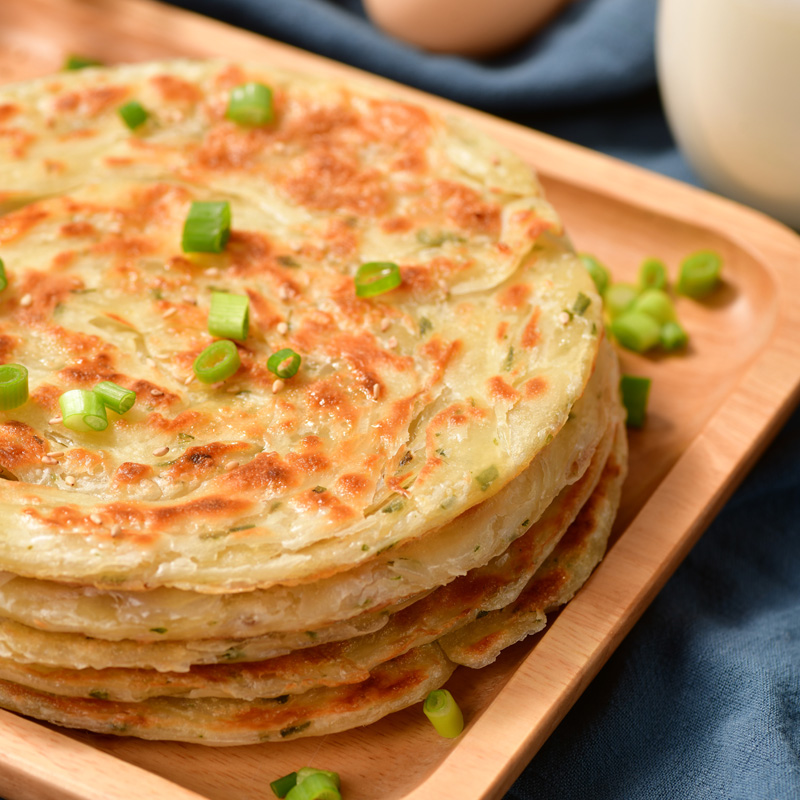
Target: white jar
(729,73)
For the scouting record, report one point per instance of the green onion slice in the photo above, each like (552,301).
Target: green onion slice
(250,104)
(635,390)
(73,62)
(673,336)
(13,385)
(598,273)
(284,363)
(307,772)
(229,315)
(656,304)
(377,277)
(83,411)
(207,227)
(281,786)
(217,362)
(115,397)
(443,711)
(652,274)
(133,114)
(636,331)
(699,274)
(3,278)
(317,786)
(619,297)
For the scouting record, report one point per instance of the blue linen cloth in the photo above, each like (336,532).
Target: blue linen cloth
(702,700)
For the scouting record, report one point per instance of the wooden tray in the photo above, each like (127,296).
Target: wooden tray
(712,412)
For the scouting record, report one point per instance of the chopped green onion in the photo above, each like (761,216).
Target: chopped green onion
(83,411)
(635,390)
(217,362)
(115,397)
(3,278)
(229,315)
(636,331)
(443,711)
(582,302)
(13,385)
(250,104)
(598,273)
(73,62)
(487,477)
(306,772)
(699,274)
(317,786)
(281,786)
(673,336)
(207,227)
(133,114)
(619,297)
(652,274)
(377,277)
(284,363)
(656,304)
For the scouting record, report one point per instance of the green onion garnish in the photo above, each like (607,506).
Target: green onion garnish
(699,274)
(636,331)
(217,362)
(284,363)
(3,278)
(634,390)
(652,274)
(115,397)
(83,411)
(656,304)
(673,336)
(306,772)
(377,277)
(619,297)
(443,711)
(582,302)
(80,62)
(13,385)
(207,227)
(250,104)
(229,316)
(133,114)
(598,273)
(281,786)
(317,785)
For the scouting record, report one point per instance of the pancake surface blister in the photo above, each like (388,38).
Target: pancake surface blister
(223,544)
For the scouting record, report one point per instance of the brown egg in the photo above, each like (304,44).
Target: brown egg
(466,27)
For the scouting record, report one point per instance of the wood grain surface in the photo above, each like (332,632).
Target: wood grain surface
(712,412)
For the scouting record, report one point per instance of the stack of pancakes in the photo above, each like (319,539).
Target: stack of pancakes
(262,559)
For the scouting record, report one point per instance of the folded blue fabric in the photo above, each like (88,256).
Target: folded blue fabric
(702,700)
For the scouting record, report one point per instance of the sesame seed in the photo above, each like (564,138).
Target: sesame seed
(169,312)
(49,460)
(392,343)
(96,518)
(25,300)
(443,286)
(233,390)
(277,386)
(282,328)
(156,393)
(212,272)
(386,323)
(55,421)
(217,385)
(188,380)
(56,454)
(376,390)
(70,480)
(160,451)
(231,465)
(150,363)
(564,317)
